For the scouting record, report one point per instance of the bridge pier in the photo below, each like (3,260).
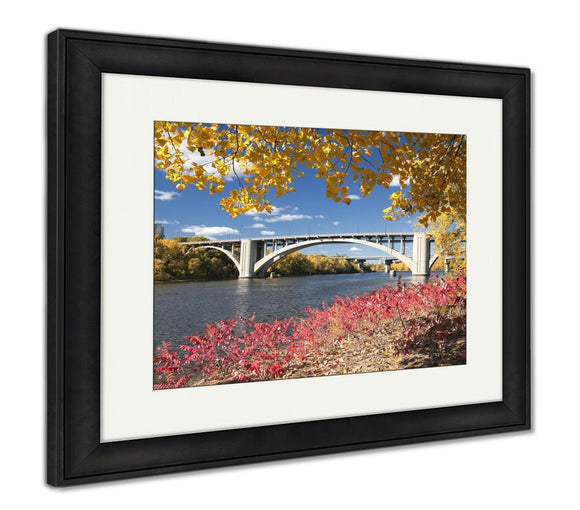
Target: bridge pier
(248,258)
(421,249)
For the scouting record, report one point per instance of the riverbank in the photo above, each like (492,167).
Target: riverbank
(391,328)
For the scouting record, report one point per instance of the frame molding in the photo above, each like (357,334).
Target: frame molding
(74,66)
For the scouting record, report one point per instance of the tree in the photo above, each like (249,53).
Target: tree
(174,261)
(449,233)
(266,161)
(293,264)
(399,266)
(300,264)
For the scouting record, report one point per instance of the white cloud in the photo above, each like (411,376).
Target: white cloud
(353,197)
(275,211)
(286,213)
(268,232)
(255,225)
(336,223)
(165,195)
(288,217)
(354,248)
(165,222)
(202,230)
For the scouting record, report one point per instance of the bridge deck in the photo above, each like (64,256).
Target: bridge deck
(307,237)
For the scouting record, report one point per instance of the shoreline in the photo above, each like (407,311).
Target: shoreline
(277,277)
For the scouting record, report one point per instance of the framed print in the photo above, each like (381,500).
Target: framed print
(259,253)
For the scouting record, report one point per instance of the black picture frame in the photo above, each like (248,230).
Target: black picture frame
(76,61)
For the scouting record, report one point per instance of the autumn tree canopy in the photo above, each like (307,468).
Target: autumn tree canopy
(266,161)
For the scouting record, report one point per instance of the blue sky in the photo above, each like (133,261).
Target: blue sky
(307,210)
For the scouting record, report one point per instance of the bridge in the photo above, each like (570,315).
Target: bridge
(387,261)
(253,257)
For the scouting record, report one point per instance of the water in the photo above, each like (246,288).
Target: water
(183,309)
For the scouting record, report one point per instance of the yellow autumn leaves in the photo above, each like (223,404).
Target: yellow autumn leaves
(263,162)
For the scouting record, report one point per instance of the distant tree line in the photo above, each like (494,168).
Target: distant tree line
(438,265)
(297,264)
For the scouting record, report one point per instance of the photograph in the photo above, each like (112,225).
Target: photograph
(295,252)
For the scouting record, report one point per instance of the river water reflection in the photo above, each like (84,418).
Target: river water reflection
(184,308)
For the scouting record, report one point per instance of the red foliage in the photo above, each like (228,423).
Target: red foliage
(423,310)
(240,349)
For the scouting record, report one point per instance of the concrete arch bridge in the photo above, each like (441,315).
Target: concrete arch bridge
(253,257)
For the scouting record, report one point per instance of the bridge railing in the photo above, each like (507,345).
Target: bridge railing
(310,236)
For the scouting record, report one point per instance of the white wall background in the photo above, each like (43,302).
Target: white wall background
(534,468)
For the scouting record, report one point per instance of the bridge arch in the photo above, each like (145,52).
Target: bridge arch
(226,252)
(432,261)
(264,263)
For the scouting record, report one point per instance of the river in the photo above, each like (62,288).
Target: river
(184,308)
